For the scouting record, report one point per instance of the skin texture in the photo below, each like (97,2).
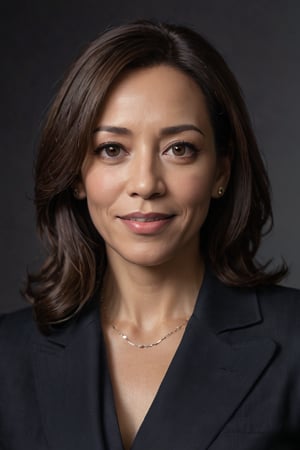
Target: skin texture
(140,171)
(154,268)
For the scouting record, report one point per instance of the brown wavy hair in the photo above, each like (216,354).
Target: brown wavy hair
(232,232)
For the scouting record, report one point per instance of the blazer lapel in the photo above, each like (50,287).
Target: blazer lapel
(209,377)
(67,379)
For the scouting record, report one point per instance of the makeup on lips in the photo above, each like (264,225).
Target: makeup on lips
(148,223)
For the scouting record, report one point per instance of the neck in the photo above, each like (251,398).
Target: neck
(147,296)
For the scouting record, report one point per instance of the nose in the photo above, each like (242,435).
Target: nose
(145,176)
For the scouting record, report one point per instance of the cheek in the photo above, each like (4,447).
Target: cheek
(101,188)
(195,190)
(100,195)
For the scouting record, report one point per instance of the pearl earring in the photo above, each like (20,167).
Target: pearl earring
(221,191)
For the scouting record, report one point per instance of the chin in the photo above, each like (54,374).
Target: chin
(147,261)
(143,258)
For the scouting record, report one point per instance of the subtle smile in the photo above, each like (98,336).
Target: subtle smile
(149,217)
(149,223)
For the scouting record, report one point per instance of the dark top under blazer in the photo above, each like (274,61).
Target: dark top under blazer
(234,383)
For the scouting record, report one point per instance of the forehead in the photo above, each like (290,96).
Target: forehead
(159,93)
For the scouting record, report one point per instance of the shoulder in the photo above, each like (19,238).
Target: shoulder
(279,299)
(279,292)
(280,310)
(16,330)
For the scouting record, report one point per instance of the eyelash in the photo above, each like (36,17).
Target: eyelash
(115,145)
(191,147)
(105,146)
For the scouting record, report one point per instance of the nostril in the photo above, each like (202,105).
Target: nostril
(146,196)
(146,187)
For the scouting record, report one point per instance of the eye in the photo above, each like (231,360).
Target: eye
(109,150)
(182,150)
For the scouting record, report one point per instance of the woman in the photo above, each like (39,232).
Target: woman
(155,327)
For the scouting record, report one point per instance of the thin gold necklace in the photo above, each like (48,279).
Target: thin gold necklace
(154,344)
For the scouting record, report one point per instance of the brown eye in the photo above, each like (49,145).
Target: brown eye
(109,151)
(179,149)
(182,150)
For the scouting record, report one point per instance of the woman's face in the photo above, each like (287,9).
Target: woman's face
(152,168)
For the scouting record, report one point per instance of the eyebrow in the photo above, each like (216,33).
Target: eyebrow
(179,129)
(111,129)
(163,132)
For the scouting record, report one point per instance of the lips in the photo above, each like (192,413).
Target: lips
(149,217)
(146,224)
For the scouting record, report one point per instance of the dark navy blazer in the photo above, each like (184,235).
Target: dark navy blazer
(234,382)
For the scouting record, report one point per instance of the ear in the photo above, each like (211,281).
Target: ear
(222,177)
(78,190)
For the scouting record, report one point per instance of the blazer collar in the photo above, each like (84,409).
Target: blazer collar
(225,308)
(209,377)
(67,378)
(205,384)
(65,333)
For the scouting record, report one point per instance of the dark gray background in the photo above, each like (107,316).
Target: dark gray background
(260,40)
